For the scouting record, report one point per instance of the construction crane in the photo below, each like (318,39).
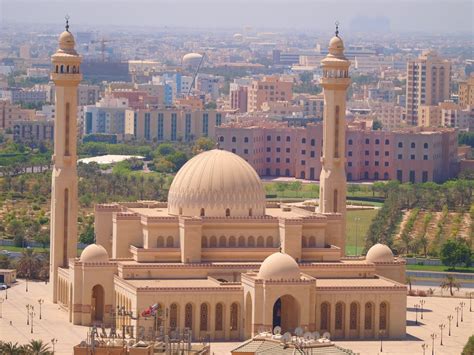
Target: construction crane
(196,73)
(102,42)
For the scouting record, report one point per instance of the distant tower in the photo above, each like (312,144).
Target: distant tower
(335,82)
(66,76)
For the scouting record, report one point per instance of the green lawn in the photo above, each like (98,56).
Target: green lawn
(357,228)
(439,268)
(20,249)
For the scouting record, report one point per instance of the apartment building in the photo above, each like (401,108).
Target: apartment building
(33,131)
(106,116)
(10,113)
(271,88)
(466,92)
(274,149)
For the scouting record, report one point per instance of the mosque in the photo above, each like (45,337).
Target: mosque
(218,258)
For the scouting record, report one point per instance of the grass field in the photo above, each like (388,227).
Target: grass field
(20,249)
(358,223)
(309,190)
(439,268)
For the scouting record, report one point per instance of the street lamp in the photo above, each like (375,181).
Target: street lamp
(441,327)
(54,341)
(457,315)
(356,220)
(28,307)
(433,337)
(422,302)
(416,313)
(6,292)
(424,347)
(382,333)
(32,315)
(462,304)
(40,301)
(450,318)
(470,301)
(1,302)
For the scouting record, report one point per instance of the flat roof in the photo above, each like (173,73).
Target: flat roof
(356,282)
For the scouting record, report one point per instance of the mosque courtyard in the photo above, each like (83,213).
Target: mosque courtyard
(54,325)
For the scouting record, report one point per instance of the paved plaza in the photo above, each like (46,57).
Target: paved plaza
(54,324)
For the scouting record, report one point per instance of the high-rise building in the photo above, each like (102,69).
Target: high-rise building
(428,83)
(10,113)
(335,81)
(466,92)
(266,90)
(66,76)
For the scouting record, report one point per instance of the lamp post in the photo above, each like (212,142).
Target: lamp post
(40,301)
(381,333)
(32,315)
(457,315)
(462,304)
(422,302)
(450,318)
(470,301)
(53,342)
(433,337)
(424,347)
(6,293)
(26,283)
(28,307)
(356,220)
(441,327)
(416,312)
(1,302)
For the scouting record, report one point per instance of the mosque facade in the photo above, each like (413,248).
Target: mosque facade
(218,258)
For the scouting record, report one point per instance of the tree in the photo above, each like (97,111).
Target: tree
(455,252)
(408,281)
(5,261)
(450,282)
(376,125)
(203,144)
(29,263)
(37,347)
(469,347)
(11,349)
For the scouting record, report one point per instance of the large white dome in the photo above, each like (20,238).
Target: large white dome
(94,253)
(192,59)
(279,266)
(216,183)
(379,253)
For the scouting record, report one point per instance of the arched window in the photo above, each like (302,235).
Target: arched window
(260,242)
(339,315)
(203,212)
(241,241)
(234,139)
(227,212)
(180,211)
(74,69)
(368,316)
(213,242)
(336,133)
(66,130)
(62,68)
(159,312)
(67,69)
(169,242)
(232,242)
(160,242)
(222,241)
(188,316)
(413,144)
(204,320)
(335,201)
(354,316)
(219,317)
(251,242)
(425,145)
(325,316)
(305,242)
(174,316)
(269,243)
(204,242)
(57,68)
(234,316)
(383,316)
(312,242)
(250,212)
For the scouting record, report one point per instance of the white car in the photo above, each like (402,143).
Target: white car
(5,252)
(3,287)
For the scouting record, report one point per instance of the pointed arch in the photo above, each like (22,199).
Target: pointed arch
(232,242)
(222,241)
(260,242)
(188,316)
(219,321)
(269,242)
(204,317)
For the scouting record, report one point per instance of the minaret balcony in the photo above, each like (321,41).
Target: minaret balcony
(66,77)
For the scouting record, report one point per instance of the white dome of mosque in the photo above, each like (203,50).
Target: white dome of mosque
(94,253)
(379,253)
(336,46)
(66,41)
(192,59)
(279,266)
(216,183)
(238,36)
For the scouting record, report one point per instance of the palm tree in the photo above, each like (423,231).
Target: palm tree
(29,262)
(408,281)
(37,347)
(450,282)
(11,349)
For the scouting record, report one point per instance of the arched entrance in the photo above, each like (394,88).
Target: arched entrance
(248,316)
(97,304)
(286,313)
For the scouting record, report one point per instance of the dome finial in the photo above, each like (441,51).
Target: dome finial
(67,22)
(337,28)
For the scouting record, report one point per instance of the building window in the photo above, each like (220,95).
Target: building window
(218,119)
(174,316)
(383,316)
(412,156)
(188,316)
(387,142)
(227,212)
(368,316)
(246,139)
(400,156)
(376,163)
(187,130)
(349,142)
(278,138)
(367,141)
(424,177)
(366,152)
(287,160)
(387,154)
(425,157)
(277,160)
(219,317)
(67,129)
(339,315)
(336,134)
(160,134)
(246,151)
(174,126)
(303,140)
(288,139)
(386,163)
(335,201)
(312,154)
(234,317)
(303,162)
(400,175)
(147,126)
(313,142)
(325,316)
(400,145)
(269,138)
(412,176)
(303,152)
(349,164)
(203,212)
(413,144)
(354,316)
(234,139)
(377,153)
(203,324)
(269,149)
(205,124)
(288,150)
(425,145)
(377,141)
(349,153)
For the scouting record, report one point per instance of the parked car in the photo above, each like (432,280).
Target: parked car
(5,252)
(3,286)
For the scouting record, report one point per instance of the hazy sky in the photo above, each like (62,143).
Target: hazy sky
(434,16)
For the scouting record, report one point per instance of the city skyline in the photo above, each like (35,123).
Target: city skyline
(366,16)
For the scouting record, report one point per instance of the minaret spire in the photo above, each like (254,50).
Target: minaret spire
(337,28)
(67,22)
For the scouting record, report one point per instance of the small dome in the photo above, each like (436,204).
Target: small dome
(336,46)
(192,59)
(216,183)
(66,41)
(94,253)
(379,253)
(279,266)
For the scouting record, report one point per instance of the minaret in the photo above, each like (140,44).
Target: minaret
(66,76)
(335,82)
